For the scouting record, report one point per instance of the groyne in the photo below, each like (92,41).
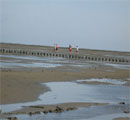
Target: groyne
(49,52)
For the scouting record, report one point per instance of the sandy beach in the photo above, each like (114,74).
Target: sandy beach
(23,84)
(16,82)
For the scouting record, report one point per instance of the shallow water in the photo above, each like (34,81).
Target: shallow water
(30,65)
(119,66)
(31,57)
(48,62)
(73,92)
(64,92)
(24,61)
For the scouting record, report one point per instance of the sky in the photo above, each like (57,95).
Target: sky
(91,24)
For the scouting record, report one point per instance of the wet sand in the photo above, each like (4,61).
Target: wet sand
(24,85)
(121,119)
(19,85)
(52,108)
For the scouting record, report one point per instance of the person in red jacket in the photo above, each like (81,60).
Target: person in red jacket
(57,47)
(70,48)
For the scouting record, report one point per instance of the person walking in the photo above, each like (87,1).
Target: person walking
(77,49)
(54,47)
(70,48)
(57,47)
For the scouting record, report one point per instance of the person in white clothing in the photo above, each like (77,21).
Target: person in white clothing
(77,49)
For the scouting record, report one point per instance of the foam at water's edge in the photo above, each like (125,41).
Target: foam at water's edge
(112,81)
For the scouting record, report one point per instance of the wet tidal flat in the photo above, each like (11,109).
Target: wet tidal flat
(63,89)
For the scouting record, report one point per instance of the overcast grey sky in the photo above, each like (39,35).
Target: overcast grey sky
(93,24)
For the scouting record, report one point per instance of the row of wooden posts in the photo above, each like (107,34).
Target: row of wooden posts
(69,56)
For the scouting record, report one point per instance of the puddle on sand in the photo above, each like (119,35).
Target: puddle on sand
(64,92)
(36,58)
(31,57)
(46,62)
(73,92)
(31,65)
(19,61)
(119,66)
(52,62)
(112,81)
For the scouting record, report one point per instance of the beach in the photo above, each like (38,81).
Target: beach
(22,84)
(15,83)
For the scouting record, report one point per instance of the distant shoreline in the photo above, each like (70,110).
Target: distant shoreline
(99,50)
